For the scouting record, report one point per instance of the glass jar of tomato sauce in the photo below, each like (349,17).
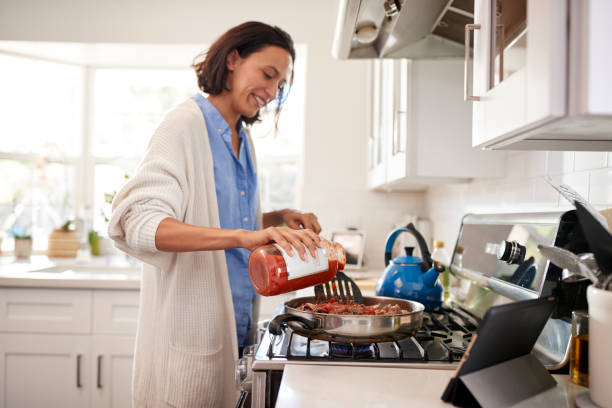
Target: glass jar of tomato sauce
(273,271)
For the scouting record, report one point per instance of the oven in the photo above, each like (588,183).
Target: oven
(495,261)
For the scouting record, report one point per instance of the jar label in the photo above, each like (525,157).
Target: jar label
(296,268)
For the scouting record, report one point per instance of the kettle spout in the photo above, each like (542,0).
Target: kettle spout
(430,277)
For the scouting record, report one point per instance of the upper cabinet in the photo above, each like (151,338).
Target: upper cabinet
(541,74)
(421,127)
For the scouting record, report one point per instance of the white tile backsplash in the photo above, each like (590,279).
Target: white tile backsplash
(600,187)
(590,160)
(536,164)
(516,165)
(516,194)
(544,195)
(523,188)
(559,163)
(577,181)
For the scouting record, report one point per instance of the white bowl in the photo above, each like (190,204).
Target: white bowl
(600,345)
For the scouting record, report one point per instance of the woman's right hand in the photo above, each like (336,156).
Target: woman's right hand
(288,239)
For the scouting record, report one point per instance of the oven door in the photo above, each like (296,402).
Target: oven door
(266,385)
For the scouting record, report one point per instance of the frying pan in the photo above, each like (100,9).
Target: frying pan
(351,328)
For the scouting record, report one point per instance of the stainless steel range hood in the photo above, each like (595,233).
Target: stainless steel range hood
(416,29)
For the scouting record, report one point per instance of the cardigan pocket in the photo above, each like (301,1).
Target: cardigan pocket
(194,380)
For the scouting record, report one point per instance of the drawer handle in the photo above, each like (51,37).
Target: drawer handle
(99,372)
(467,96)
(78,370)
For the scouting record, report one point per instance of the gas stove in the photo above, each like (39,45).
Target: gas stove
(439,344)
(486,272)
(442,340)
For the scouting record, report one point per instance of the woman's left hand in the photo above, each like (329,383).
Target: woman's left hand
(298,220)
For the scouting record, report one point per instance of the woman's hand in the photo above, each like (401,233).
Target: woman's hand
(296,220)
(288,238)
(293,219)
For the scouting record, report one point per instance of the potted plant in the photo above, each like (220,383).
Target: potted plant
(23,242)
(63,242)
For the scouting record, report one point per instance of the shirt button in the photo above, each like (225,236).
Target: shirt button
(219,130)
(242,193)
(246,219)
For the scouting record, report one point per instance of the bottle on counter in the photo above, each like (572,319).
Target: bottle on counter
(462,285)
(273,271)
(441,259)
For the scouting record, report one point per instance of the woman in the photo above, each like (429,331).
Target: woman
(193,196)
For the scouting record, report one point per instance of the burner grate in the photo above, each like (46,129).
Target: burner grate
(444,336)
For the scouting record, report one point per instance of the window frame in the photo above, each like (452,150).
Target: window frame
(84,164)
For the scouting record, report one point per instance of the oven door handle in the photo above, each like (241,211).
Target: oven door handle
(276,325)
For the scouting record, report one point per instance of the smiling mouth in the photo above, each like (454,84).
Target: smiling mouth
(260,102)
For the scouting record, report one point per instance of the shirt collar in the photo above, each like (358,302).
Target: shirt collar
(217,121)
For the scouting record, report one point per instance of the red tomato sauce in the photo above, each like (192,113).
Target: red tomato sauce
(268,273)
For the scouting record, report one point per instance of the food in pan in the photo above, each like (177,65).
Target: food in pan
(350,308)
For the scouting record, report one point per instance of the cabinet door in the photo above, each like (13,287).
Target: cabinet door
(44,371)
(398,157)
(387,145)
(376,165)
(112,359)
(520,66)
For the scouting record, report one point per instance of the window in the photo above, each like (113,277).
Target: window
(127,106)
(71,133)
(40,135)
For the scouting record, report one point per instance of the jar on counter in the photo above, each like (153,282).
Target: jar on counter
(273,271)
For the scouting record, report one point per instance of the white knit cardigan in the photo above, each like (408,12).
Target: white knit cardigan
(186,344)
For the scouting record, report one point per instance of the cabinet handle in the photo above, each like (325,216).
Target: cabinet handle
(78,370)
(502,40)
(99,372)
(397,123)
(467,96)
(395,143)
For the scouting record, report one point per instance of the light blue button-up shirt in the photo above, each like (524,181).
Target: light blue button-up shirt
(236,186)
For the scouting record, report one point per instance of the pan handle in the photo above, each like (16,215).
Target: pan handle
(275,326)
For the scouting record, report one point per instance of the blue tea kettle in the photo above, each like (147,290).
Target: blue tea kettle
(409,277)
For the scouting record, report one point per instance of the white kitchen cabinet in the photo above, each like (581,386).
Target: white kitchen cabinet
(73,348)
(43,371)
(113,356)
(376,165)
(45,310)
(421,128)
(541,75)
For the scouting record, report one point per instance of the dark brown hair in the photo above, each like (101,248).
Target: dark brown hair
(211,69)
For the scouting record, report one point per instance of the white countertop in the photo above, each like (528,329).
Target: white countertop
(94,273)
(104,272)
(332,386)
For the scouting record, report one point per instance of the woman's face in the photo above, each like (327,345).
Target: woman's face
(256,80)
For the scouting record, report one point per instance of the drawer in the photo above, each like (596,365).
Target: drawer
(45,310)
(115,311)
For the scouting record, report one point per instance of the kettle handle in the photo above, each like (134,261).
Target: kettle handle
(427,262)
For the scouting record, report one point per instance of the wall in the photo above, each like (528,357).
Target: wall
(523,189)
(335,112)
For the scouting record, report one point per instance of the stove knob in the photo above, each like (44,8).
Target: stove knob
(511,252)
(242,370)
(249,351)
(392,7)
